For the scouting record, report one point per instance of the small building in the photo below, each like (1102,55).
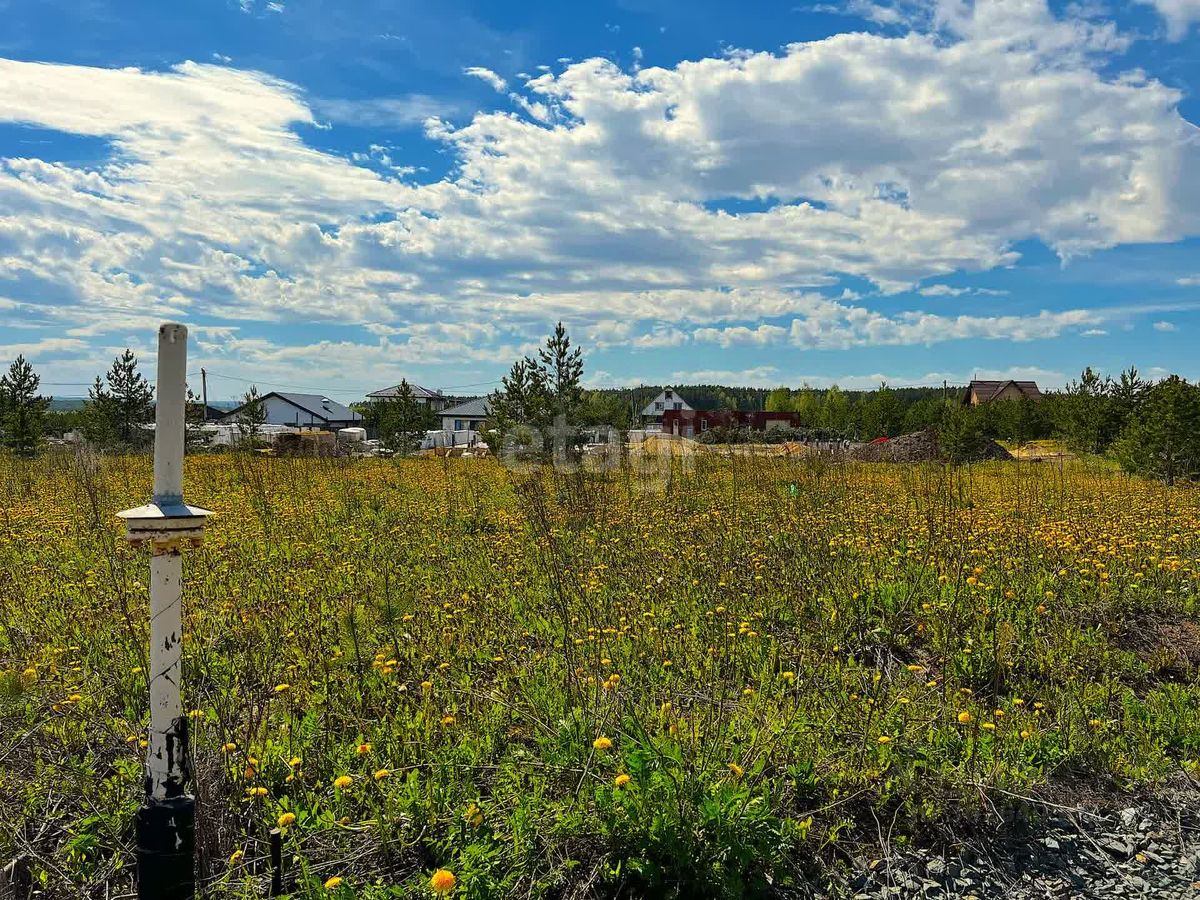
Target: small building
(469,416)
(301,411)
(434,400)
(691,422)
(978,392)
(667,401)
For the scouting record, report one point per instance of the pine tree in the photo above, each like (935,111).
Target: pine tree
(99,416)
(563,369)
(401,421)
(252,414)
(194,419)
(1162,437)
(129,401)
(22,410)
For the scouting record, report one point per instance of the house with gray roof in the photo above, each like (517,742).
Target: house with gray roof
(435,400)
(301,411)
(469,416)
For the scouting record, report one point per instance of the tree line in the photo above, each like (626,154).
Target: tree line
(1151,428)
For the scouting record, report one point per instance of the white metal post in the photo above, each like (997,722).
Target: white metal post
(166,821)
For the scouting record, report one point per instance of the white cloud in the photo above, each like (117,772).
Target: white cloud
(498,84)
(1188,281)
(1179,15)
(893,159)
(1165,326)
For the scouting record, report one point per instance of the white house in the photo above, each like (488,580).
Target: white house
(424,396)
(301,411)
(668,399)
(469,416)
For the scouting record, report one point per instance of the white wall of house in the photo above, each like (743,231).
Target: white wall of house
(280,412)
(666,399)
(459,423)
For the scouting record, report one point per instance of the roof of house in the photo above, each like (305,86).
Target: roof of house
(472,409)
(649,410)
(421,393)
(315,404)
(986,390)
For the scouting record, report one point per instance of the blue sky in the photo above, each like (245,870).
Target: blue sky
(337,195)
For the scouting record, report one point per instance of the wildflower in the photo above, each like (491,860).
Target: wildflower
(748,692)
(1095,723)
(286,819)
(789,677)
(447,721)
(259,791)
(294,761)
(473,816)
(235,856)
(1017,701)
(230,747)
(342,782)
(988,726)
(914,668)
(884,739)
(964,717)
(282,688)
(364,749)
(602,743)
(737,770)
(381,774)
(1024,735)
(427,686)
(443,881)
(333,883)
(621,780)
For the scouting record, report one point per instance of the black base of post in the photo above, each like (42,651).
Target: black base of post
(166,839)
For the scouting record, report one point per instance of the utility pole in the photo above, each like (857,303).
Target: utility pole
(204,393)
(166,821)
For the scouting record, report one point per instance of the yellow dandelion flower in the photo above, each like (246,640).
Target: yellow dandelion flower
(443,881)
(602,743)
(342,782)
(364,749)
(964,717)
(282,688)
(621,780)
(884,739)
(333,883)
(381,774)
(737,770)
(286,819)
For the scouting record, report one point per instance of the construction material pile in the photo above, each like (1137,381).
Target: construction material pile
(921,446)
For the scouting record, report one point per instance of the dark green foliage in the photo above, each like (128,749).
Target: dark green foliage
(120,407)
(22,410)
(1162,438)
(400,421)
(960,433)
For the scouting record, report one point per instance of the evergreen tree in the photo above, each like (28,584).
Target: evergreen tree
(128,402)
(1162,437)
(960,433)
(401,421)
(562,369)
(195,415)
(99,415)
(22,410)
(1084,413)
(251,417)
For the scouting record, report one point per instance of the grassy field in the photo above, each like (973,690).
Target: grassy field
(697,682)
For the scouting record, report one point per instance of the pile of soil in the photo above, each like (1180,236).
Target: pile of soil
(920,446)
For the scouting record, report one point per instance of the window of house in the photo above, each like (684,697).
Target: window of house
(657,406)
(704,424)
(668,394)
(677,405)
(458,424)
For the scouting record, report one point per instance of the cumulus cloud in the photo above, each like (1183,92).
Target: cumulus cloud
(598,197)
(1165,326)
(1179,15)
